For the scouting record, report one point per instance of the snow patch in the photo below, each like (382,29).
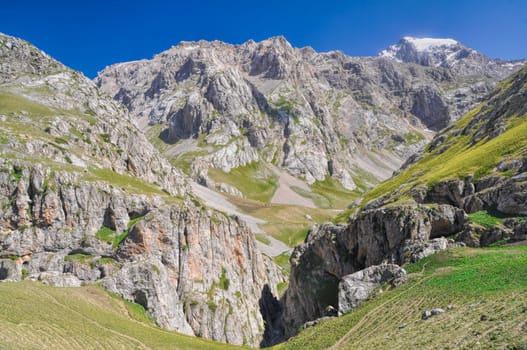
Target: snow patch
(390,53)
(427,44)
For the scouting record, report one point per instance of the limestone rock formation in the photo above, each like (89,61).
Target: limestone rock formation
(358,287)
(375,236)
(85,198)
(313,114)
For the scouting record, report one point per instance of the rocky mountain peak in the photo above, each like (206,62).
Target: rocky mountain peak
(431,52)
(18,56)
(448,53)
(429,44)
(276,41)
(309,113)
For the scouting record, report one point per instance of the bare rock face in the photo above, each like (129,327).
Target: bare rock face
(195,271)
(358,287)
(313,114)
(85,198)
(10,270)
(391,234)
(430,108)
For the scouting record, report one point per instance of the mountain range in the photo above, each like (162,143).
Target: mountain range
(316,115)
(142,180)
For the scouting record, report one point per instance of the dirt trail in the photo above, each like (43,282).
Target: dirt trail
(219,202)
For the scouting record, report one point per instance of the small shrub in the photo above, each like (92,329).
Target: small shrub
(224,281)
(16,174)
(212,305)
(105,137)
(105,234)
(281,287)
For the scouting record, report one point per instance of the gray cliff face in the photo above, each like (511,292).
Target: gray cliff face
(313,114)
(195,271)
(385,235)
(85,198)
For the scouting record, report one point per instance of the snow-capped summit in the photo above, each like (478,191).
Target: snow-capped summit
(427,51)
(447,53)
(429,44)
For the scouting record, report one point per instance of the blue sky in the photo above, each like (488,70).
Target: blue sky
(89,35)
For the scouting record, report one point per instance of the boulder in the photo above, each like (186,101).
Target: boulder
(415,250)
(429,313)
(358,286)
(10,270)
(57,279)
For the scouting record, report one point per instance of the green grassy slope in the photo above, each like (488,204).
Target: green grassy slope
(254,180)
(487,289)
(24,119)
(468,146)
(287,223)
(33,316)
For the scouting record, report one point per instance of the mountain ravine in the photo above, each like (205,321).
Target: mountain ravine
(319,116)
(85,198)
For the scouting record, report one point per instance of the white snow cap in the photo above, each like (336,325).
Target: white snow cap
(427,44)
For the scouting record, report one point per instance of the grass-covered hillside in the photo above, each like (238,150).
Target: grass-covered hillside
(34,316)
(492,133)
(483,293)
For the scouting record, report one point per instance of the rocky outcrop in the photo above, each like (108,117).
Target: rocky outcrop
(359,286)
(62,117)
(313,114)
(429,313)
(484,165)
(194,270)
(395,235)
(19,55)
(430,108)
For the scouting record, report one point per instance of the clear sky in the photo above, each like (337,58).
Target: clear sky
(89,35)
